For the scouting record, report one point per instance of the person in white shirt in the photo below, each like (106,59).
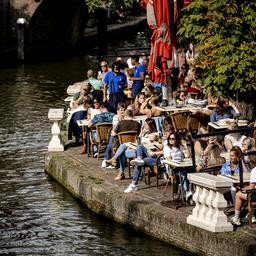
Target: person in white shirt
(173,150)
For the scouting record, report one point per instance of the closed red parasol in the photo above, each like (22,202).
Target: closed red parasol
(162,16)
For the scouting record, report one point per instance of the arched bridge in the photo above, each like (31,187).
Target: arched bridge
(53,25)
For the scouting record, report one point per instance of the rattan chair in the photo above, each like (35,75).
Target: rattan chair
(180,121)
(156,170)
(193,124)
(103,131)
(124,137)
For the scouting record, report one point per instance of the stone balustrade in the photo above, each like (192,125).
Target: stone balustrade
(55,115)
(209,213)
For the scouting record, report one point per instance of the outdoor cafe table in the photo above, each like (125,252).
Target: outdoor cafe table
(224,123)
(187,107)
(178,166)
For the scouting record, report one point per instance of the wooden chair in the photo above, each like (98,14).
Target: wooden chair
(124,137)
(251,201)
(180,121)
(193,124)
(103,131)
(156,170)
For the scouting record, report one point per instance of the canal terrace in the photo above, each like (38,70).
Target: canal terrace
(149,209)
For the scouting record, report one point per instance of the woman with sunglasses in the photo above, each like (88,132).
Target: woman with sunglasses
(174,150)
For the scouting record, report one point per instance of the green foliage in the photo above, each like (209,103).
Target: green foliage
(94,4)
(225,31)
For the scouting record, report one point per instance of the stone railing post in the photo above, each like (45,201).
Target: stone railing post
(210,203)
(55,115)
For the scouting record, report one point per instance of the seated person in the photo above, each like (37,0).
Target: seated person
(95,83)
(149,107)
(81,96)
(128,124)
(232,167)
(212,157)
(233,139)
(148,127)
(241,197)
(173,150)
(104,117)
(201,143)
(146,158)
(248,145)
(148,90)
(79,113)
(92,111)
(116,119)
(139,100)
(182,96)
(224,109)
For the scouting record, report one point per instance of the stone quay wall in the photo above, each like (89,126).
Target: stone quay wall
(86,182)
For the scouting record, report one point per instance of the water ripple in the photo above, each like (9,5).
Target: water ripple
(37,216)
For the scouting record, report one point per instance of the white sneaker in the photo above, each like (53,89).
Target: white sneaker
(189,195)
(235,221)
(137,162)
(103,164)
(131,188)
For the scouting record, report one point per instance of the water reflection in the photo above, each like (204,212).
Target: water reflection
(37,216)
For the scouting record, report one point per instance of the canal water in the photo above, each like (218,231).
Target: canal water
(38,216)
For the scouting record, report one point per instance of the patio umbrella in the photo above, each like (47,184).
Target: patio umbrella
(163,17)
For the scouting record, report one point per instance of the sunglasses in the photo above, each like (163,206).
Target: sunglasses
(171,138)
(103,66)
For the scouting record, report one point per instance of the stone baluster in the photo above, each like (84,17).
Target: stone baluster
(209,213)
(55,115)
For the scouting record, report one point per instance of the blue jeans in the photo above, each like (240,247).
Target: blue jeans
(148,160)
(108,152)
(136,89)
(120,156)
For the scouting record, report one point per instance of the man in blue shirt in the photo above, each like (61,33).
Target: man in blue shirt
(138,75)
(115,81)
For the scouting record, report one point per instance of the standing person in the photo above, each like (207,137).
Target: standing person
(96,84)
(115,81)
(104,70)
(138,75)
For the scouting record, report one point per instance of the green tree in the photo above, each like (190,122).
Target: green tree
(225,31)
(94,4)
